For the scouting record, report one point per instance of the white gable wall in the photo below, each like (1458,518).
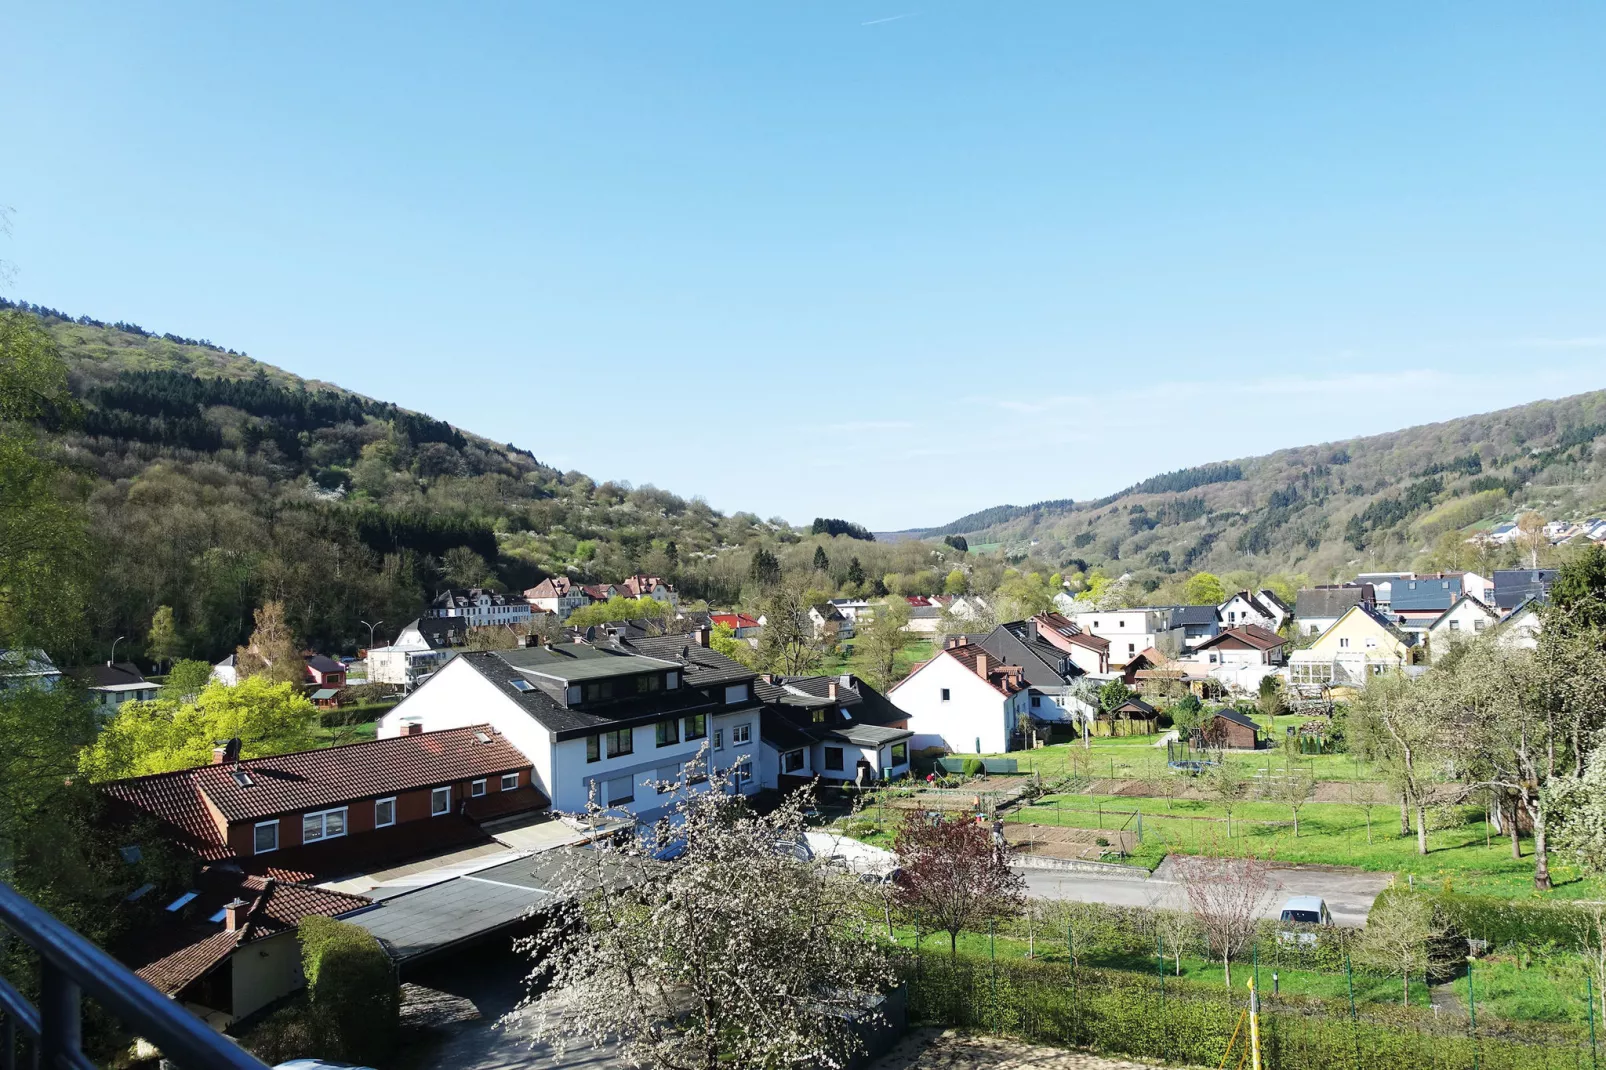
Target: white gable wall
(975,710)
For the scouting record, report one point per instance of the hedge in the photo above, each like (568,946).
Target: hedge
(1126,1014)
(1500,922)
(351,987)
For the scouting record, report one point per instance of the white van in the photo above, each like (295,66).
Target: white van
(1306,912)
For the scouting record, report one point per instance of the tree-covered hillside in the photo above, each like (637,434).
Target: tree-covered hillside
(212,483)
(1385,501)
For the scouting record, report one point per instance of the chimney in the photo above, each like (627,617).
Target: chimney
(227,751)
(234,913)
(768,678)
(846,680)
(1031,630)
(412,728)
(981,666)
(701,635)
(830,690)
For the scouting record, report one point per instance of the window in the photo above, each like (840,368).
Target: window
(621,789)
(1343,642)
(1371,644)
(900,754)
(326,825)
(1131,648)
(510,782)
(833,759)
(1455,626)
(697,726)
(621,742)
(671,681)
(946,694)
(667,777)
(742,772)
(1478,625)
(645,684)
(266,837)
(735,693)
(384,812)
(818,717)
(1314,629)
(719,739)
(476,789)
(593,748)
(668,732)
(440,801)
(742,733)
(792,761)
(1037,700)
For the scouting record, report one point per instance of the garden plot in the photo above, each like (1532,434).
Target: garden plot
(1049,841)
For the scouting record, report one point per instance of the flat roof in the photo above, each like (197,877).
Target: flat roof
(577,662)
(420,923)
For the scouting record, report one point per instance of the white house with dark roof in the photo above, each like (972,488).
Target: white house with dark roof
(481,608)
(1466,620)
(964,701)
(1243,609)
(836,728)
(607,723)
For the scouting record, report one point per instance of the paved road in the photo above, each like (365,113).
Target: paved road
(1349,893)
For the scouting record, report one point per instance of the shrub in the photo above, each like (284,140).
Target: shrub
(1500,922)
(291,1032)
(352,989)
(974,767)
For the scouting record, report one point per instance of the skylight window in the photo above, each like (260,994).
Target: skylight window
(219,916)
(182,901)
(482,737)
(523,685)
(138,893)
(242,778)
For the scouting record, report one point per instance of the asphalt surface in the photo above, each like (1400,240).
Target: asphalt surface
(1349,894)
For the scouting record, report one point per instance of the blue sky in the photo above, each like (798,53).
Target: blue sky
(887,261)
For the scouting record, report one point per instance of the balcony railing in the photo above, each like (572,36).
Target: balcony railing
(50,1036)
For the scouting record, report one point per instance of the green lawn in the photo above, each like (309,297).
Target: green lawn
(1547,989)
(351,733)
(912,654)
(1132,756)
(1329,834)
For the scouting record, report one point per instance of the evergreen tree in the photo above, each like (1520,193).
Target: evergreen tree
(855,572)
(822,563)
(765,569)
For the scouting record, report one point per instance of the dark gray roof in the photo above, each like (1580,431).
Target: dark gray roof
(567,723)
(1194,616)
(570,662)
(1403,636)
(1269,597)
(1330,601)
(1237,718)
(103,675)
(323,663)
(869,735)
(780,733)
(1514,586)
(703,666)
(862,703)
(1042,663)
(1427,593)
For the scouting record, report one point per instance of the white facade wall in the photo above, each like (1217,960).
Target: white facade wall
(1131,631)
(976,718)
(1236,612)
(1463,623)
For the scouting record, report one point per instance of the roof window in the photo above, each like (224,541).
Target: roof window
(182,901)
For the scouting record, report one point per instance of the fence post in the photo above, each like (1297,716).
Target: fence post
(1354,1030)
(1589,992)
(1472,1009)
(992,974)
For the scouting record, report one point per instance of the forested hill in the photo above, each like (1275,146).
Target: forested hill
(214,482)
(1385,501)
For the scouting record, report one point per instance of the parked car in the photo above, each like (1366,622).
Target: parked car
(1308,913)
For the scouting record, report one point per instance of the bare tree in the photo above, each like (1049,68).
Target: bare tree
(272,650)
(1398,931)
(953,875)
(1229,787)
(739,953)
(1293,789)
(1177,930)
(1368,795)
(1226,896)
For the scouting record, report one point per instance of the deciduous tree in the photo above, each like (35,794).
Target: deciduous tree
(953,876)
(272,652)
(1226,896)
(879,643)
(1399,929)
(162,642)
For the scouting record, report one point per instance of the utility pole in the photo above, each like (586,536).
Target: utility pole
(113,659)
(371,628)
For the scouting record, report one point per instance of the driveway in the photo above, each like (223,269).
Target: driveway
(1349,893)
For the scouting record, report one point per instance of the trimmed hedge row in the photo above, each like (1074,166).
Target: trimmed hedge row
(1501,922)
(1123,1014)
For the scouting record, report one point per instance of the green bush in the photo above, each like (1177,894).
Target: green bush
(293,1031)
(1501,922)
(351,987)
(974,767)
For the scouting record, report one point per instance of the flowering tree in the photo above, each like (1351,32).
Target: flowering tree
(953,875)
(1226,896)
(712,942)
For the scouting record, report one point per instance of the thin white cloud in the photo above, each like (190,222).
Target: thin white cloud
(890,18)
(871,425)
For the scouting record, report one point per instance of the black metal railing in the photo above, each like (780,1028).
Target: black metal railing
(71,967)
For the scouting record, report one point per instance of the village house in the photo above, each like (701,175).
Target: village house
(1090,653)
(558,595)
(609,724)
(852,607)
(421,648)
(1130,631)
(1465,620)
(1280,611)
(1244,608)
(1057,696)
(110,685)
(1417,602)
(1317,609)
(262,831)
(325,671)
(1228,729)
(480,608)
(1198,623)
(964,701)
(1360,644)
(829,623)
(1240,657)
(836,728)
(1514,586)
(643,586)
(1521,627)
(742,625)
(28,668)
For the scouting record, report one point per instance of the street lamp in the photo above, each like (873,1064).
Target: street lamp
(113,658)
(371,628)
